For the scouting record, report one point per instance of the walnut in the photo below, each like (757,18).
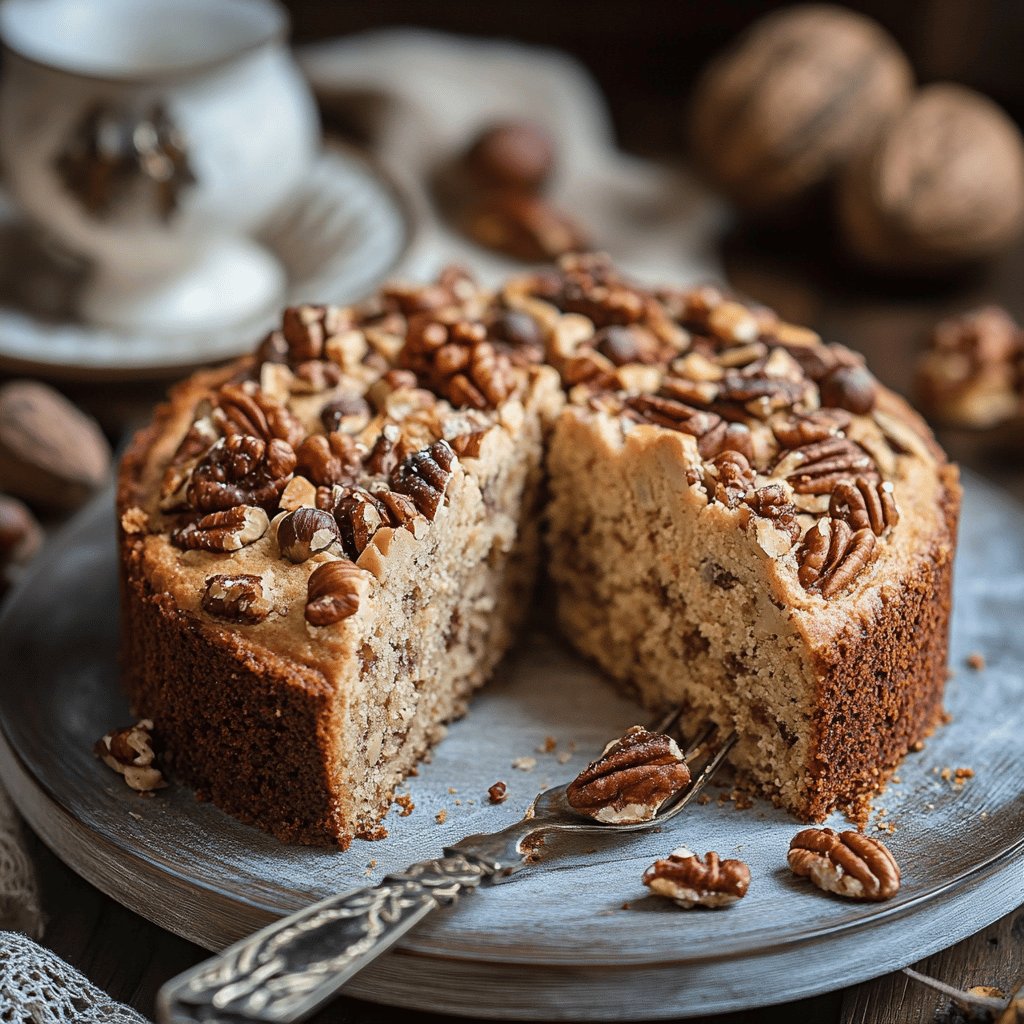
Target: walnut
(817,468)
(228,530)
(129,752)
(631,779)
(728,478)
(833,555)
(241,470)
(334,592)
(304,532)
(800,429)
(245,409)
(517,155)
(306,329)
(524,226)
(425,476)
(800,93)
(772,502)
(865,504)
(695,882)
(849,864)
(942,185)
(707,427)
(327,459)
(347,413)
(238,598)
(849,387)
(973,372)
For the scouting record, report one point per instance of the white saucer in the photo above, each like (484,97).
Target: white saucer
(338,239)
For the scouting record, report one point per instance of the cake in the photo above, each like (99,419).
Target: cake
(327,546)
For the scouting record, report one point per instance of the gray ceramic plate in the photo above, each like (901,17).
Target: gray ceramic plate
(555,942)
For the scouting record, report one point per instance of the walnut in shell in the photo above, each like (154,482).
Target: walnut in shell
(943,185)
(802,90)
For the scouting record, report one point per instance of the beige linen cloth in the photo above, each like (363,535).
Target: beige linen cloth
(418,97)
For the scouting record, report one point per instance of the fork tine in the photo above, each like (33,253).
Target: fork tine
(698,744)
(667,722)
(700,780)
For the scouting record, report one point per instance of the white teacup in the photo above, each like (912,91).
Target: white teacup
(153,137)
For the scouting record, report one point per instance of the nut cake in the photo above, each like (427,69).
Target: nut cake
(327,546)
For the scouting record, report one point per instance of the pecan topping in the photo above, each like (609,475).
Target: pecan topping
(347,413)
(732,321)
(129,752)
(243,409)
(304,532)
(383,456)
(228,530)
(299,492)
(401,508)
(241,470)
(238,598)
(334,592)
(832,556)
(729,478)
(806,428)
(328,459)
(359,516)
(760,395)
(628,344)
(848,864)
(307,328)
(707,427)
(816,468)
(692,882)
(469,446)
(865,504)
(519,336)
(849,387)
(772,502)
(631,779)
(425,476)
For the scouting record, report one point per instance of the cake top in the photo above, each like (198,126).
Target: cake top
(347,421)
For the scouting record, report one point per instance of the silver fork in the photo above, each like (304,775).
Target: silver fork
(289,969)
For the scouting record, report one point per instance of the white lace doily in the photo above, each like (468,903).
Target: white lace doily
(19,896)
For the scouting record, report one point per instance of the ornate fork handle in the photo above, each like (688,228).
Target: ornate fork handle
(290,968)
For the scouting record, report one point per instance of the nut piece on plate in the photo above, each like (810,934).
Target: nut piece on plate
(848,863)
(972,374)
(631,779)
(682,876)
(803,90)
(129,752)
(943,185)
(51,453)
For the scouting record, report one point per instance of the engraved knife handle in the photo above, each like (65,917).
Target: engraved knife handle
(292,967)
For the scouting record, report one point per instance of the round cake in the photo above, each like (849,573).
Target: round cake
(328,545)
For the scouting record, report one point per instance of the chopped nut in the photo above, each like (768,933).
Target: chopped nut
(306,329)
(334,592)
(772,502)
(631,779)
(425,476)
(241,470)
(347,413)
(707,427)
(693,882)
(306,531)
(229,530)
(238,598)
(129,752)
(524,764)
(833,555)
(865,504)
(497,793)
(441,817)
(849,864)
(732,321)
(729,478)
(976,660)
(299,492)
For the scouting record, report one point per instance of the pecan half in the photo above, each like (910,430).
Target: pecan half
(334,592)
(328,459)
(728,478)
(772,502)
(425,476)
(631,779)
(228,530)
(304,532)
(818,467)
(806,428)
(359,515)
(833,555)
(241,470)
(707,427)
(129,752)
(238,598)
(244,409)
(694,882)
(865,504)
(849,864)
(383,456)
(760,396)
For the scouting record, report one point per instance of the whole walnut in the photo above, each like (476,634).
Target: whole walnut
(943,185)
(802,90)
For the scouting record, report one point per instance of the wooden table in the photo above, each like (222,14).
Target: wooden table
(131,958)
